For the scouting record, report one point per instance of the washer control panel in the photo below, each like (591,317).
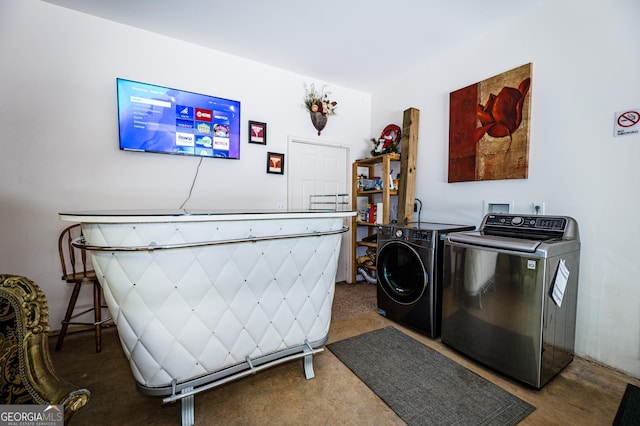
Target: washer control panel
(550,223)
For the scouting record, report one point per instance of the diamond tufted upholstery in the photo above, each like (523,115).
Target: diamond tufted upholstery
(185,313)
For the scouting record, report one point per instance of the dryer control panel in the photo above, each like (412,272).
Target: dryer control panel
(420,235)
(411,234)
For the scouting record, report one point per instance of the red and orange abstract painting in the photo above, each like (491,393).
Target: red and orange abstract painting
(489,128)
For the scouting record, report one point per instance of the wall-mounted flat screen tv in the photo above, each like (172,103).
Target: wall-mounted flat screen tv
(160,119)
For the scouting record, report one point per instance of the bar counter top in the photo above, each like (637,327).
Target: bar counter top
(192,215)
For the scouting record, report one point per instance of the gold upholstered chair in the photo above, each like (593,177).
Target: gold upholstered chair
(26,371)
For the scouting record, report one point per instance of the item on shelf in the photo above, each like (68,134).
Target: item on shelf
(372,252)
(371,238)
(365,261)
(388,142)
(368,184)
(378,186)
(361,179)
(379,213)
(371,213)
(392,184)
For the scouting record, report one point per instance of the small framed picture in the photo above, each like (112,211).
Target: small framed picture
(257,132)
(275,163)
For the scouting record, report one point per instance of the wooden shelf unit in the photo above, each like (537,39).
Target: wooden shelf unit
(372,197)
(406,188)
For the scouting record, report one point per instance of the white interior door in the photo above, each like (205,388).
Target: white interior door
(320,169)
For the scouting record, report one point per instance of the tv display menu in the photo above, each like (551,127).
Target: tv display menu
(164,120)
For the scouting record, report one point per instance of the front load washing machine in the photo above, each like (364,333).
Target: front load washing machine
(409,271)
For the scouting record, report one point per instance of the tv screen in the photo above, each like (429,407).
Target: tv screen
(160,119)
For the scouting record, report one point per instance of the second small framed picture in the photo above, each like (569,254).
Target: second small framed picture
(257,132)
(275,163)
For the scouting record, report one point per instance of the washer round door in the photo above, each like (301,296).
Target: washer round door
(401,272)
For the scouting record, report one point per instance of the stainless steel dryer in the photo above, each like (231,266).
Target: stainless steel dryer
(409,272)
(510,294)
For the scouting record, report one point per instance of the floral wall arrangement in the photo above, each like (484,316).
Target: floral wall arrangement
(319,105)
(489,128)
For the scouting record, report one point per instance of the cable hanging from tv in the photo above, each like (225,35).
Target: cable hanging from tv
(192,184)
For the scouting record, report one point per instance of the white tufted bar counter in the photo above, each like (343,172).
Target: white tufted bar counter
(201,298)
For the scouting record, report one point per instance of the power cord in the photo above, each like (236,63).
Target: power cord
(416,200)
(192,184)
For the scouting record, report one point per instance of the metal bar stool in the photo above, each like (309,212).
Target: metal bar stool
(74,270)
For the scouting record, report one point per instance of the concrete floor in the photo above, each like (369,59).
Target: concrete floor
(583,393)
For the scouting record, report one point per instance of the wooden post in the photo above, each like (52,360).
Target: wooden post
(408,158)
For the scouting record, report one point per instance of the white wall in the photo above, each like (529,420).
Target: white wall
(584,70)
(59,140)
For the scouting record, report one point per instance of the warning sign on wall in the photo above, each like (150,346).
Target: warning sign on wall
(627,122)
